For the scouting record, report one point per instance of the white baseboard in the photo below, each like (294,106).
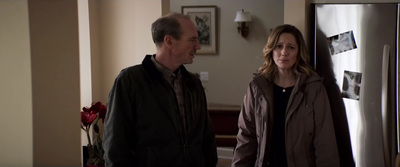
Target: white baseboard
(225,152)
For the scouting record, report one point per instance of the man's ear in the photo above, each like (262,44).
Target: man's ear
(168,41)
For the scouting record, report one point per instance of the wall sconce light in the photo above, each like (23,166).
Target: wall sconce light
(242,18)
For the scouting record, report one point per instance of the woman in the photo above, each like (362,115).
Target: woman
(285,118)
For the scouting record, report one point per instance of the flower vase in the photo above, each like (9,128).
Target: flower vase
(85,154)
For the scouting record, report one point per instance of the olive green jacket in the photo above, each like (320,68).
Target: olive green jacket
(143,125)
(309,132)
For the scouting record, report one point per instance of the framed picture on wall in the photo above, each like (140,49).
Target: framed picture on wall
(205,19)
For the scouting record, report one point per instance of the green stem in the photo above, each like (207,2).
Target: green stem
(88,136)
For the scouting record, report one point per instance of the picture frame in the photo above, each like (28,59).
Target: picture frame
(205,19)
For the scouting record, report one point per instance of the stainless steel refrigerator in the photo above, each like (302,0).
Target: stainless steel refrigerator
(356,51)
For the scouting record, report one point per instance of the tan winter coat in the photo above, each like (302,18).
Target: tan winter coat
(309,133)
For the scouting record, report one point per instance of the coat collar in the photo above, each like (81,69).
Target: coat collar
(266,87)
(155,73)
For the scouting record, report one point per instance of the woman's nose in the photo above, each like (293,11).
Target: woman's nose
(284,51)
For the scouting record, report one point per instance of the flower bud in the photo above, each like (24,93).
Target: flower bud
(96,128)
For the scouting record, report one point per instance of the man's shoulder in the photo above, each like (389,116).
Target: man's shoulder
(133,68)
(138,67)
(130,71)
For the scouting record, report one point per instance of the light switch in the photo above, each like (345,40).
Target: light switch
(203,76)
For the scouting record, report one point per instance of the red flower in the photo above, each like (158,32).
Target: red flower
(87,118)
(90,116)
(96,107)
(102,113)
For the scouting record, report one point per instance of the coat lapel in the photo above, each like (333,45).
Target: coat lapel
(295,97)
(268,94)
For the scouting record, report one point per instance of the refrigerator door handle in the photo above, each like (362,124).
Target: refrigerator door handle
(384,105)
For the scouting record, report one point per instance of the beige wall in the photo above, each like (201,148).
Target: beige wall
(40,90)
(85,64)
(298,13)
(84,53)
(40,59)
(117,42)
(55,82)
(16,146)
(120,37)
(238,58)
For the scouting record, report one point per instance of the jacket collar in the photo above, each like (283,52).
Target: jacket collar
(266,86)
(301,80)
(154,72)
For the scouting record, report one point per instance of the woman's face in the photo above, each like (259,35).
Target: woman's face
(285,52)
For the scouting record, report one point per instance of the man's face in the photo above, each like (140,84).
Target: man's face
(185,48)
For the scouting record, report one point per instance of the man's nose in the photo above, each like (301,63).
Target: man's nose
(197,47)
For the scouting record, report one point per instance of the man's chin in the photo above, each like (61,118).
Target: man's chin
(190,59)
(188,62)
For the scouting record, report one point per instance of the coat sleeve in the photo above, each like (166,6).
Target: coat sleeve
(245,152)
(326,153)
(117,127)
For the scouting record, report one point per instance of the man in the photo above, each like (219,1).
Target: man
(157,111)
